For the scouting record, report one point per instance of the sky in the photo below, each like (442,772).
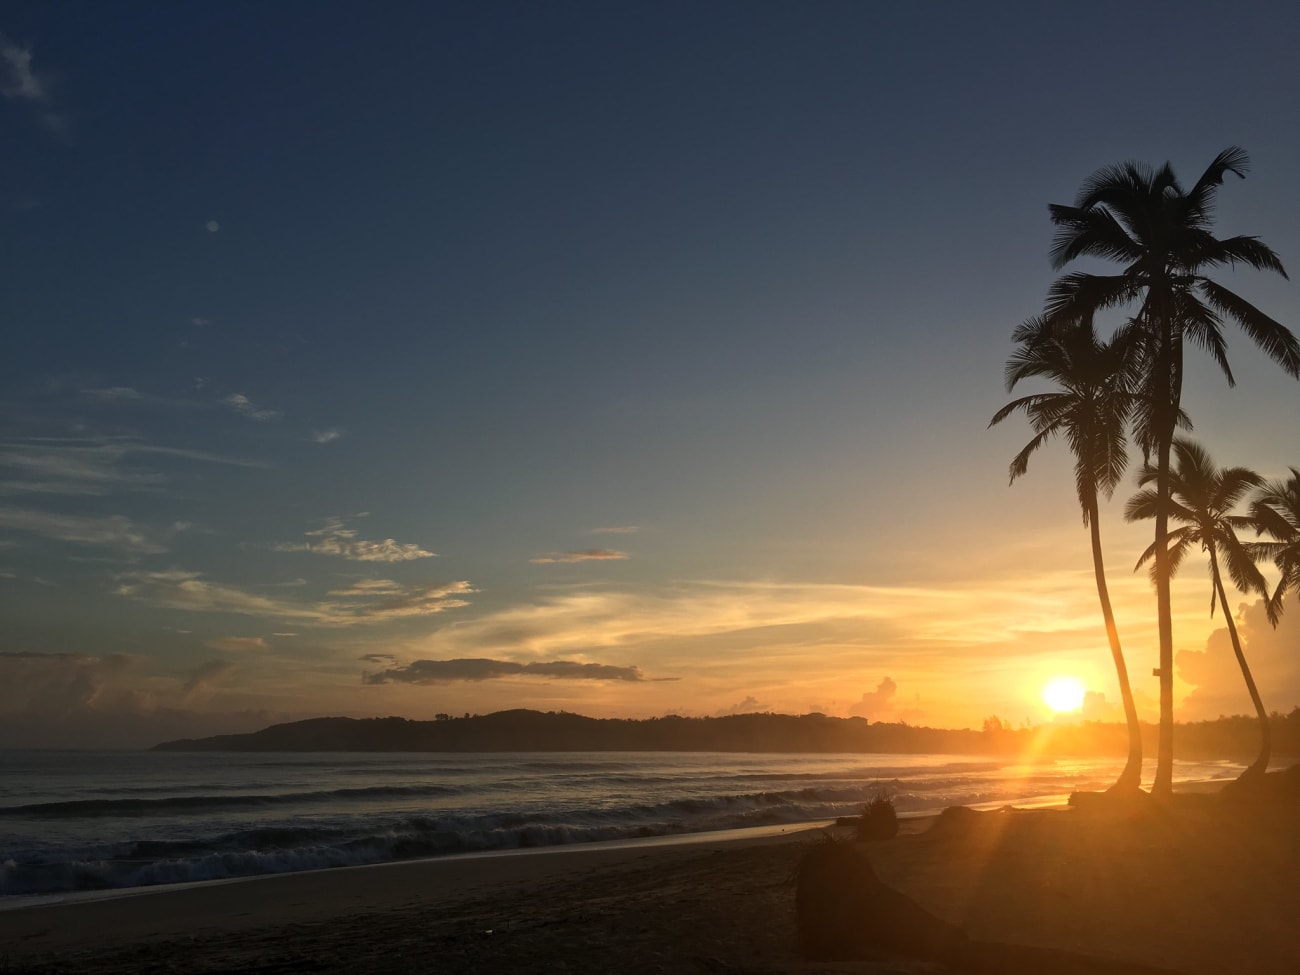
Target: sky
(625,359)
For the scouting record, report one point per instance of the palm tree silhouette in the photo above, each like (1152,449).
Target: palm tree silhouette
(1276,510)
(1091,411)
(1160,233)
(1202,499)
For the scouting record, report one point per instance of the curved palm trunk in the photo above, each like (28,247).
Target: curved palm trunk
(1258,767)
(1131,778)
(1164,780)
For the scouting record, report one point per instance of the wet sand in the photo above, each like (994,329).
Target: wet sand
(1204,887)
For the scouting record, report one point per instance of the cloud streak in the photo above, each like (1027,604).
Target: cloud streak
(180,589)
(481,668)
(113,531)
(336,539)
(580,555)
(244,406)
(238,644)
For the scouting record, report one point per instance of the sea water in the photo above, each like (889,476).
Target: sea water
(99,820)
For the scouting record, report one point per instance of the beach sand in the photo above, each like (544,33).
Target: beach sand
(1205,887)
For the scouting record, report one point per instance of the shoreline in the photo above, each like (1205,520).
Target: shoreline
(1200,887)
(22,902)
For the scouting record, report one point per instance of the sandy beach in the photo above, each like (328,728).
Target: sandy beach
(1203,887)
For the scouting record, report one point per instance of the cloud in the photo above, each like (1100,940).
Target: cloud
(879,701)
(180,589)
(17,80)
(238,644)
(580,555)
(113,393)
(113,531)
(57,684)
(328,435)
(91,466)
(205,675)
(750,705)
(369,587)
(1219,688)
(242,405)
(620,530)
(378,658)
(479,669)
(338,540)
(87,469)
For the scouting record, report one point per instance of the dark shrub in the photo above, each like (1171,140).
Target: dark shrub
(879,820)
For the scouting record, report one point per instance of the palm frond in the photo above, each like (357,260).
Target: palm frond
(1274,338)
(1208,250)
(1200,201)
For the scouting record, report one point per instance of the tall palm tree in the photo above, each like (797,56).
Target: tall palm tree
(1201,502)
(1276,511)
(1160,233)
(1091,411)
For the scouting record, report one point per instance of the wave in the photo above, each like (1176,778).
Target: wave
(199,804)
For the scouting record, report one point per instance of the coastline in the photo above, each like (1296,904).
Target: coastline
(1202,886)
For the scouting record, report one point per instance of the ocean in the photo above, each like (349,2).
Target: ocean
(75,821)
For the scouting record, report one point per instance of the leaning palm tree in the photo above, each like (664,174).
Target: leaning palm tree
(1091,411)
(1201,502)
(1276,510)
(1160,233)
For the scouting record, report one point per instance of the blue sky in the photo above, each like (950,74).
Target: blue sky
(343,338)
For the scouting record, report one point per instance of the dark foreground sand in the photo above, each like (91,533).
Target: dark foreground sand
(1204,887)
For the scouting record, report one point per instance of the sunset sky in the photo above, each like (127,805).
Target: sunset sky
(625,359)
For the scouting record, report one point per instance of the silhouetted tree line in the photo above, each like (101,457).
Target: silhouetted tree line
(561,731)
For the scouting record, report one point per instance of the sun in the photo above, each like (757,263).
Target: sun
(1063,694)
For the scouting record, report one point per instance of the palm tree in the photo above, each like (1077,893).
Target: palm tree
(1091,410)
(1202,499)
(1160,234)
(1276,511)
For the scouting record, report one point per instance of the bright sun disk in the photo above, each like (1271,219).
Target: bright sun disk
(1063,694)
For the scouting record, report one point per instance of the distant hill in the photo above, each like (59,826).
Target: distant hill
(558,731)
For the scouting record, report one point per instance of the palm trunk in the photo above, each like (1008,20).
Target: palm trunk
(1131,778)
(1164,780)
(1163,786)
(1258,767)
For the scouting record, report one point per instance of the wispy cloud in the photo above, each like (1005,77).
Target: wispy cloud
(113,531)
(91,466)
(56,684)
(244,406)
(328,435)
(181,589)
(113,393)
(617,530)
(205,675)
(337,539)
(580,555)
(80,470)
(19,81)
(238,644)
(478,669)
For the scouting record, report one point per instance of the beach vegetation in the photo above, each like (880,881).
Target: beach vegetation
(879,820)
(1159,232)
(1090,408)
(1275,509)
(1202,499)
